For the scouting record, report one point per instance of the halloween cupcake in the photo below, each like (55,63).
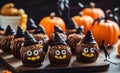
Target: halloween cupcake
(59,52)
(1,34)
(6,39)
(60,31)
(16,43)
(32,53)
(87,50)
(40,34)
(74,38)
(71,28)
(31,25)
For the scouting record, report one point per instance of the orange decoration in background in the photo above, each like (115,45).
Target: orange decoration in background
(50,21)
(6,71)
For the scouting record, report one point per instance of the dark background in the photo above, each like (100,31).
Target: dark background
(37,9)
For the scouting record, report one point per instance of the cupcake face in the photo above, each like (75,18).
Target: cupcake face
(86,52)
(60,55)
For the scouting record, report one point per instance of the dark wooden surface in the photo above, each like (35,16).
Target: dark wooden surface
(16,65)
(37,9)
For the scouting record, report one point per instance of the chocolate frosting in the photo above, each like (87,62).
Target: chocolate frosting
(1,27)
(40,29)
(72,25)
(58,40)
(31,24)
(9,31)
(80,30)
(29,39)
(58,29)
(19,33)
(89,39)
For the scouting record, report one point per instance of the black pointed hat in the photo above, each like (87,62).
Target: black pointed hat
(58,29)
(40,29)
(31,24)
(58,40)
(9,31)
(72,25)
(89,39)
(1,28)
(80,30)
(19,33)
(29,39)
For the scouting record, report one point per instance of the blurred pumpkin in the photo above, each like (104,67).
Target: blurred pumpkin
(93,12)
(105,29)
(84,20)
(50,21)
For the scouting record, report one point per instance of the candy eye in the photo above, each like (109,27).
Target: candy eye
(85,50)
(35,52)
(63,52)
(41,42)
(29,53)
(92,50)
(57,52)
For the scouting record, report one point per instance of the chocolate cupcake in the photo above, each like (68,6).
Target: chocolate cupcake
(1,34)
(6,39)
(74,38)
(31,26)
(40,34)
(60,31)
(32,53)
(72,27)
(59,52)
(16,43)
(87,50)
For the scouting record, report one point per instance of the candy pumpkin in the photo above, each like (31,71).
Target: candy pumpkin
(50,21)
(84,20)
(93,12)
(105,29)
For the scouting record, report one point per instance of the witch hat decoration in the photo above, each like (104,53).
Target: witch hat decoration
(89,39)
(40,29)
(72,25)
(80,30)
(58,29)
(9,31)
(19,33)
(31,24)
(58,40)
(1,28)
(29,39)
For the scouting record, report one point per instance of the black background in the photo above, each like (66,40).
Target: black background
(37,9)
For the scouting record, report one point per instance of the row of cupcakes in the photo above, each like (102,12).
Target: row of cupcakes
(32,52)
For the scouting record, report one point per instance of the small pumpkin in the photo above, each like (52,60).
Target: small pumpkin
(50,21)
(84,20)
(105,29)
(93,12)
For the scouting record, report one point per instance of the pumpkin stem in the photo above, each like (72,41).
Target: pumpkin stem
(52,15)
(92,4)
(80,13)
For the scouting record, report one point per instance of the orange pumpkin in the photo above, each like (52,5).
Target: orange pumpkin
(83,20)
(50,21)
(118,50)
(105,29)
(93,12)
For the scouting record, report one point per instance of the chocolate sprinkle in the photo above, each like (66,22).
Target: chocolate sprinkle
(89,39)
(29,39)
(19,33)
(9,31)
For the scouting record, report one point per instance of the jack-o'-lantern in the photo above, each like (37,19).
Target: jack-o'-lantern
(87,50)
(32,53)
(7,38)
(59,53)
(16,43)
